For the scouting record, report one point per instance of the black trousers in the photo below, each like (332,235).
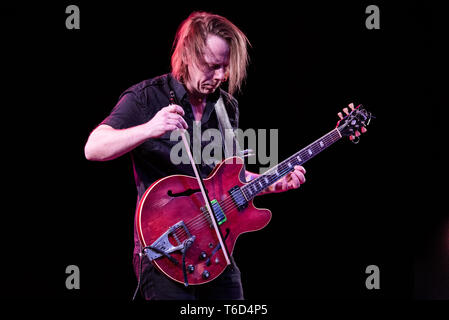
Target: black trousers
(154,285)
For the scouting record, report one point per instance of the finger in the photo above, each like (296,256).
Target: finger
(295,182)
(301,177)
(174,108)
(284,184)
(175,122)
(301,168)
(171,127)
(183,122)
(178,118)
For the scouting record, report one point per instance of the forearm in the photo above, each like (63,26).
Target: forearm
(106,143)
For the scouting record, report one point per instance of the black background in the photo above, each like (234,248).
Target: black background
(371,203)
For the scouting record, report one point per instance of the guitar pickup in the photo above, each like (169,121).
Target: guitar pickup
(219,214)
(238,197)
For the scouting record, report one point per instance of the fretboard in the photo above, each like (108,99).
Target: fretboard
(262,182)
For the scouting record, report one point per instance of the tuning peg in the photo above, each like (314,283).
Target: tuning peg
(345,110)
(340,115)
(354,139)
(351,105)
(357,134)
(363,129)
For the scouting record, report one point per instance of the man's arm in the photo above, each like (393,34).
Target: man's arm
(106,143)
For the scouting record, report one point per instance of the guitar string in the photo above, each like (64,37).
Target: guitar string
(225,204)
(203,216)
(203,219)
(228,202)
(284,168)
(201,222)
(228,205)
(180,232)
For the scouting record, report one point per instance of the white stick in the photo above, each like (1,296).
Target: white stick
(203,192)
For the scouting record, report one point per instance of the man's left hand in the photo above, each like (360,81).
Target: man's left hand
(292,180)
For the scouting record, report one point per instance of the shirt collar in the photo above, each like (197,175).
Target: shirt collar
(181,92)
(177,87)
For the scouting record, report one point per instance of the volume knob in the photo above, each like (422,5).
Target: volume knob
(203,255)
(206,274)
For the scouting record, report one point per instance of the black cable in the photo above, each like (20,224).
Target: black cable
(142,254)
(184,271)
(139,277)
(187,245)
(217,247)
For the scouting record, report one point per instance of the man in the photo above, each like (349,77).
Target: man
(208,50)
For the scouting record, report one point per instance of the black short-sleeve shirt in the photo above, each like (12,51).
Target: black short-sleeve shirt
(139,104)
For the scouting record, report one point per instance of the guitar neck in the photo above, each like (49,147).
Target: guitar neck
(257,185)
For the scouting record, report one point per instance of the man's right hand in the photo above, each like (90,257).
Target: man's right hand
(167,119)
(106,143)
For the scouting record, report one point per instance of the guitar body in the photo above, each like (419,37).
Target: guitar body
(178,198)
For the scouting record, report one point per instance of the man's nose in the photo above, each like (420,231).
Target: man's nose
(220,74)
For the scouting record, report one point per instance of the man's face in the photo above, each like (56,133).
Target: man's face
(205,79)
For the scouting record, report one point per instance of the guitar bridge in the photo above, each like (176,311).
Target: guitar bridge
(163,243)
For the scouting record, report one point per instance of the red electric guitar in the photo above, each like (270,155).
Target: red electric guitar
(175,227)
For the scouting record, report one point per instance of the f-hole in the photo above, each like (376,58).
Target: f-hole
(187,192)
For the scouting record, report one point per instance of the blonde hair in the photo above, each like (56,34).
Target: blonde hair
(190,42)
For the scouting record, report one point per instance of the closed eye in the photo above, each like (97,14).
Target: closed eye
(217,66)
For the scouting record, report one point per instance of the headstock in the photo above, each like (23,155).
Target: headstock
(354,123)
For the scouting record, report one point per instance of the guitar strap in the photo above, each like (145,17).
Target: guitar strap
(231,144)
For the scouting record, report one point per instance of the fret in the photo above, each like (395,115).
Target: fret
(255,186)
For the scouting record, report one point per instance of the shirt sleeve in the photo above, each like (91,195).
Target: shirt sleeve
(127,113)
